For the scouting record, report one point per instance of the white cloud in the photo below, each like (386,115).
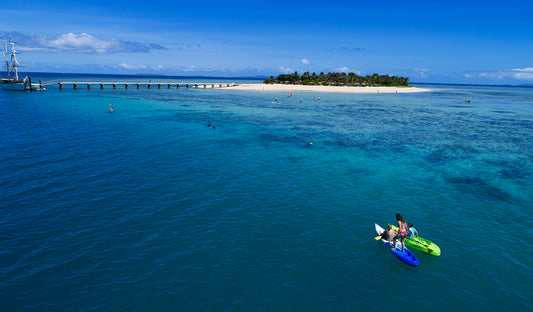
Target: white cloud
(133,67)
(516,74)
(79,43)
(305,61)
(523,73)
(193,68)
(343,69)
(285,70)
(491,75)
(190,69)
(527,69)
(82,42)
(422,72)
(347,70)
(523,76)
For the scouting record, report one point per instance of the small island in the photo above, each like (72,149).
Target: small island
(333,82)
(339,79)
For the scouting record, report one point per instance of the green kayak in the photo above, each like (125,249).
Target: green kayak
(421,244)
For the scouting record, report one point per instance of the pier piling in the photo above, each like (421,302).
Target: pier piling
(206,85)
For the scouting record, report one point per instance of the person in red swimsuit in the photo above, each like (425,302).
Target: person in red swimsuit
(402,231)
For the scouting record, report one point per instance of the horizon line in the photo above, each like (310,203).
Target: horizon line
(261,77)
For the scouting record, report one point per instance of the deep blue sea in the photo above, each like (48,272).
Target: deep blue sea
(150,209)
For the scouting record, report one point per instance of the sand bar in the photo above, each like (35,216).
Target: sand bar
(334,89)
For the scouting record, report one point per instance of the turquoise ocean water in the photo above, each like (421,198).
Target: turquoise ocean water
(149,209)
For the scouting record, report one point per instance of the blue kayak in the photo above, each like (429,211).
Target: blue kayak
(406,255)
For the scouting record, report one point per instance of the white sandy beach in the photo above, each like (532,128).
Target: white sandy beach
(334,89)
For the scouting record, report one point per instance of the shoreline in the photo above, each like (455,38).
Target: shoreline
(330,89)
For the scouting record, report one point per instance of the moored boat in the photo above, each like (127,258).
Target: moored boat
(15,83)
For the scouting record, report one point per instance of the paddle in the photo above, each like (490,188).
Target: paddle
(377,237)
(421,242)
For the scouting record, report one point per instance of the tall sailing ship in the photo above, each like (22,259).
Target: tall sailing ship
(12,82)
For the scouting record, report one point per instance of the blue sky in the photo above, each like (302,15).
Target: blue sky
(487,42)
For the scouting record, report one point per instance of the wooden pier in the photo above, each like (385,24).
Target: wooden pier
(147,85)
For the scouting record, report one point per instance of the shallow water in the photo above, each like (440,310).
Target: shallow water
(150,209)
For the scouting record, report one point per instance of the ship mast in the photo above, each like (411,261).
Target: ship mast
(7,59)
(14,63)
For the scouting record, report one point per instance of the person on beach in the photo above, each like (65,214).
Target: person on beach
(412,232)
(402,231)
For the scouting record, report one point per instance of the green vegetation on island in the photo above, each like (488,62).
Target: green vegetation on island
(339,79)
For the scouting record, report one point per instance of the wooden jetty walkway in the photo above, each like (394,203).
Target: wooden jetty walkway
(146,84)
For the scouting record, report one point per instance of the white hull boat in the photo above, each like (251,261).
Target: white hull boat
(15,84)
